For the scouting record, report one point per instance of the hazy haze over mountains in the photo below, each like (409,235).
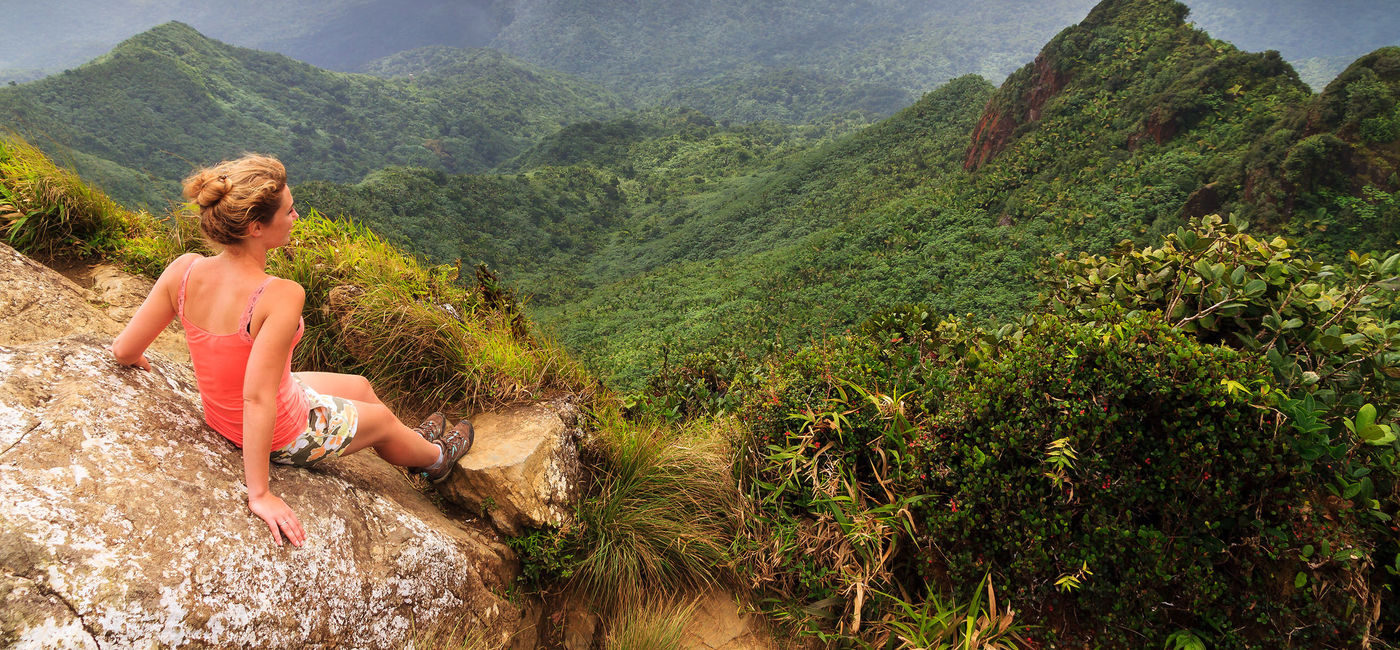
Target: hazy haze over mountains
(656,48)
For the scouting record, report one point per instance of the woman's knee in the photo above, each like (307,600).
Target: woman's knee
(376,424)
(365,389)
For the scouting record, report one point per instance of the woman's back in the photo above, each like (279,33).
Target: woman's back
(216,303)
(218,293)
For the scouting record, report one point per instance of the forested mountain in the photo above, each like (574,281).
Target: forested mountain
(1123,126)
(735,61)
(592,192)
(170,98)
(335,34)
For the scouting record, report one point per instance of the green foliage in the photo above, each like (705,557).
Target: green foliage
(169,99)
(546,557)
(1326,329)
(939,625)
(1327,332)
(1174,493)
(831,472)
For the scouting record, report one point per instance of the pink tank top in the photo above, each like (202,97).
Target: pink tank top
(220,361)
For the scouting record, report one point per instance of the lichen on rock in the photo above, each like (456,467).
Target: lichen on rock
(123,517)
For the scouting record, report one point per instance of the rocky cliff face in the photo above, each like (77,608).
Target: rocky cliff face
(1038,82)
(123,519)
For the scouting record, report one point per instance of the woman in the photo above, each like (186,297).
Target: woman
(242,324)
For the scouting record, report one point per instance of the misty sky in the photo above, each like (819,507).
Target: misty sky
(54,34)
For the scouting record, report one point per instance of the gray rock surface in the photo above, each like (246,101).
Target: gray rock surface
(123,518)
(523,470)
(38,303)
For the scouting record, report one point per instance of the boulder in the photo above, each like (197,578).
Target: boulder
(123,517)
(39,303)
(125,521)
(522,471)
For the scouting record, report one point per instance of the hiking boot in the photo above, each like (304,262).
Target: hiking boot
(454,444)
(433,427)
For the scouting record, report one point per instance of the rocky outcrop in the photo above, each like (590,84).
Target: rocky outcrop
(38,303)
(1031,87)
(123,520)
(523,469)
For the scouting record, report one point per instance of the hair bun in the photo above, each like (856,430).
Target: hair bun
(208,188)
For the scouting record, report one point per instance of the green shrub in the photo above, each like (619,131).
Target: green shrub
(1118,475)
(1328,332)
(828,469)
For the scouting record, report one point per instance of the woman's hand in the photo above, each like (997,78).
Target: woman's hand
(279,518)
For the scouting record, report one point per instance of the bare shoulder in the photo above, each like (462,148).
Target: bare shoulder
(280,305)
(176,269)
(168,283)
(285,292)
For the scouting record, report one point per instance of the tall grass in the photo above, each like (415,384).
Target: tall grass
(49,212)
(414,329)
(455,635)
(656,627)
(661,518)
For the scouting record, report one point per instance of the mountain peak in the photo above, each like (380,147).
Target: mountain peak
(1140,60)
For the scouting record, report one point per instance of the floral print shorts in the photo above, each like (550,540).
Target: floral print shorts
(330,426)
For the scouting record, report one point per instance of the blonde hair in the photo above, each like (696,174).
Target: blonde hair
(235,193)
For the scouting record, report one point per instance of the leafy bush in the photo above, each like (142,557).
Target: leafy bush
(1328,332)
(1105,470)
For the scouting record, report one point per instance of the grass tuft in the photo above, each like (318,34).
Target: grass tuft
(651,628)
(661,518)
(430,342)
(47,211)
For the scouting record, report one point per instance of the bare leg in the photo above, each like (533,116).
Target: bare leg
(379,427)
(395,442)
(353,387)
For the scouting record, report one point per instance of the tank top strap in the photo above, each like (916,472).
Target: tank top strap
(180,301)
(245,322)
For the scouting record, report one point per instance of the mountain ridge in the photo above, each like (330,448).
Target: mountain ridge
(169,97)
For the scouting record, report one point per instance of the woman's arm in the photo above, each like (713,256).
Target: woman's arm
(271,345)
(154,315)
